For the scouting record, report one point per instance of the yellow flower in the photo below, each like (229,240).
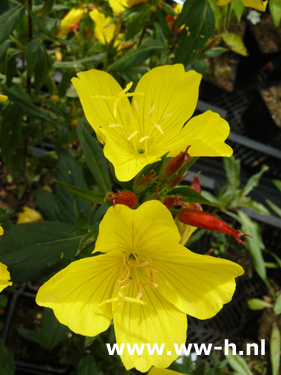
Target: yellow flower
(119,6)
(3,98)
(104,30)
(144,279)
(4,277)
(28,216)
(73,17)
(139,133)
(256,4)
(158,371)
(1,231)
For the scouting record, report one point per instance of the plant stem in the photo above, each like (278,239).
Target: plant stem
(30,36)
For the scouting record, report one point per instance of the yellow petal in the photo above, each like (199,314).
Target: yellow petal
(118,6)
(104,30)
(72,17)
(3,98)
(1,231)
(158,371)
(76,292)
(198,285)
(4,277)
(158,322)
(256,4)
(93,87)
(185,231)
(149,226)
(28,216)
(205,134)
(170,99)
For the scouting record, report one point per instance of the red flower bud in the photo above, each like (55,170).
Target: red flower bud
(143,182)
(195,185)
(127,198)
(173,165)
(204,220)
(170,202)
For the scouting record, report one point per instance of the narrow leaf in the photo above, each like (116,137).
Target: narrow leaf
(258,304)
(95,159)
(9,21)
(191,195)
(238,364)
(275,349)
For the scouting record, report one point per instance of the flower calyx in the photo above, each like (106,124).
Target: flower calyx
(205,220)
(171,202)
(128,198)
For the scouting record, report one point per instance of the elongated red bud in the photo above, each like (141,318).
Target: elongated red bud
(173,165)
(204,220)
(128,198)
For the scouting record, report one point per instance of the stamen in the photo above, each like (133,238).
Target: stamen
(132,135)
(144,138)
(158,127)
(166,116)
(150,112)
(116,126)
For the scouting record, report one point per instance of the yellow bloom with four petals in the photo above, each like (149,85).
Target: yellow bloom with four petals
(256,4)
(144,279)
(140,132)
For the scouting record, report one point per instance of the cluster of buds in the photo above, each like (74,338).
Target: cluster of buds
(128,198)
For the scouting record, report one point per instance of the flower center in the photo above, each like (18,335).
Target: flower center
(134,272)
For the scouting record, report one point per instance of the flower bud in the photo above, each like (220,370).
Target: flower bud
(173,165)
(204,220)
(128,198)
(170,202)
(142,183)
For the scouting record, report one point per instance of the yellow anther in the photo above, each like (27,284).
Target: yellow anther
(150,112)
(132,135)
(164,117)
(144,138)
(158,127)
(116,126)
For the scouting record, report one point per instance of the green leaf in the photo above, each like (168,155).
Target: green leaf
(7,366)
(40,24)
(215,51)
(70,172)
(277,259)
(3,49)
(139,19)
(191,195)
(34,250)
(22,100)
(254,180)
(48,206)
(257,207)
(255,244)
(201,66)
(200,23)
(275,10)
(274,207)
(258,304)
(277,183)
(31,54)
(275,349)
(95,159)
(42,67)
(232,169)
(79,63)
(235,43)
(11,138)
(87,195)
(87,366)
(46,8)
(9,21)
(137,56)
(238,364)
(277,305)
(238,8)
(88,239)
(168,9)
(50,333)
